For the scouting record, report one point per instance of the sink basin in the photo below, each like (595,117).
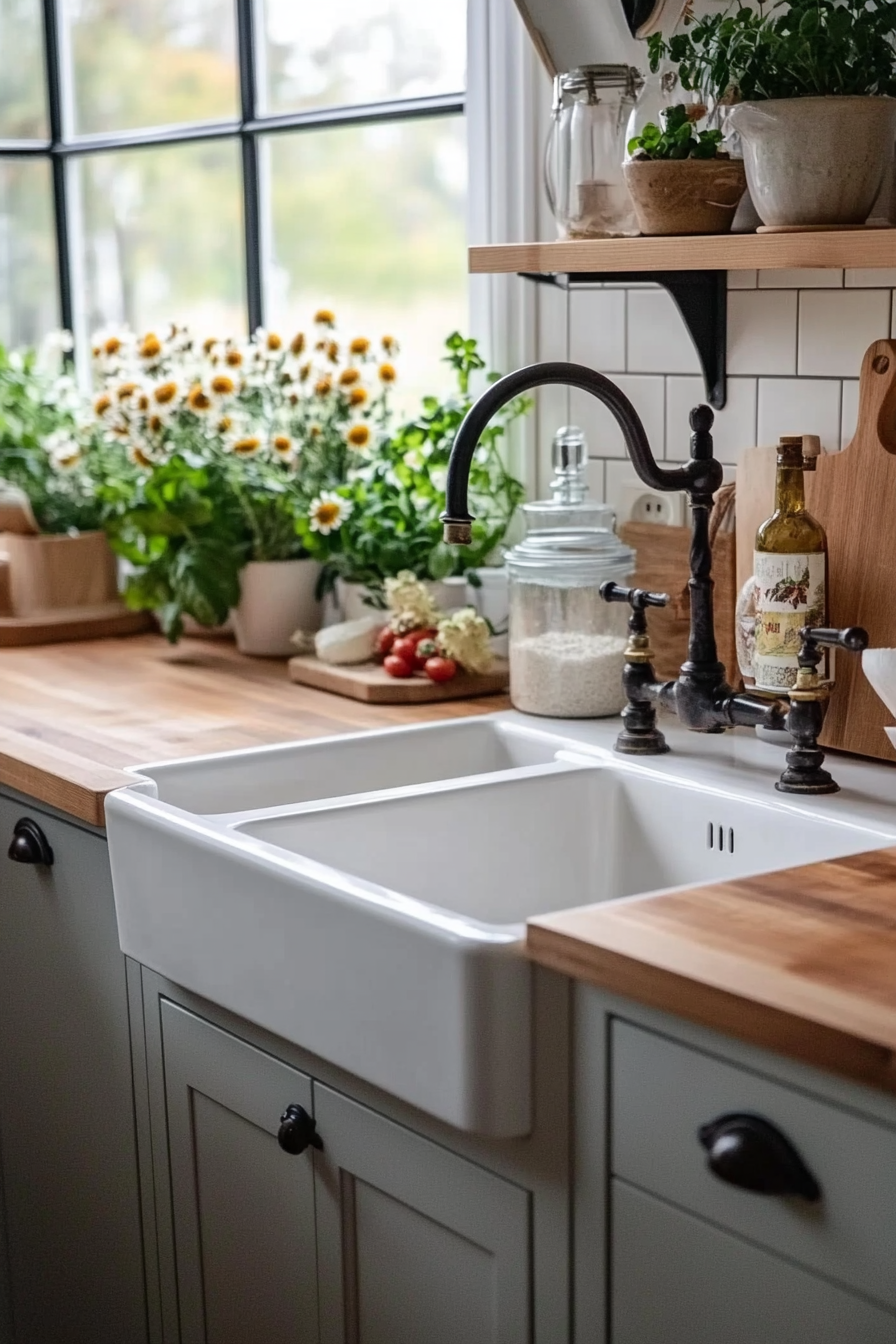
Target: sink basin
(366,898)
(301,772)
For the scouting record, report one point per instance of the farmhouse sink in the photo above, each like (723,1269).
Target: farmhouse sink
(380,923)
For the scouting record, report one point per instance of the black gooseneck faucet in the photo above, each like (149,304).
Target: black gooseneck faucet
(700,696)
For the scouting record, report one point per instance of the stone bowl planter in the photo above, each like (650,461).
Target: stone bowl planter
(685,196)
(816,161)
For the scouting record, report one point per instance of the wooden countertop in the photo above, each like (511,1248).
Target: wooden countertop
(801,961)
(74,716)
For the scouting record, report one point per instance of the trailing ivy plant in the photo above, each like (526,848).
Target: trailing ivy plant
(786,49)
(675,138)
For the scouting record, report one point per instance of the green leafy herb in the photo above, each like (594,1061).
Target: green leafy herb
(676,139)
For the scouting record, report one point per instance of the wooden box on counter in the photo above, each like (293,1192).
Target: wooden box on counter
(663,566)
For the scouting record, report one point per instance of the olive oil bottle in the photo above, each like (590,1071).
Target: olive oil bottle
(790,570)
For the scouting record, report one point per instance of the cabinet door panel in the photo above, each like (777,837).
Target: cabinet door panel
(415,1244)
(66,1096)
(678,1280)
(243,1209)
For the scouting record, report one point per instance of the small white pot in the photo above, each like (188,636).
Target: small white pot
(448,595)
(492,601)
(815,160)
(276,599)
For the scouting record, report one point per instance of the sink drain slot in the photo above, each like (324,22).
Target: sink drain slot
(720,838)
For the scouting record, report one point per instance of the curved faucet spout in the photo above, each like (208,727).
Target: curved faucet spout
(701,477)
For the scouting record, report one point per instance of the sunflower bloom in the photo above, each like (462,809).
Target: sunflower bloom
(328,512)
(150,346)
(323,386)
(325,317)
(223,385)
(198,399)
(348,376)
(297,344)
(102,404)
(359,436)
(387,373)
(360,345)
(165,393)
(357,396)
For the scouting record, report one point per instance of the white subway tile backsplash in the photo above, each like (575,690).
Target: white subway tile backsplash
(762,332)
(553,309)
(735,425)
(597,328)
(799,406)
(658,340)
(742,279)
(601,430)
(816,278)
(849,411)
(876,278)
(835,330)
(595,475)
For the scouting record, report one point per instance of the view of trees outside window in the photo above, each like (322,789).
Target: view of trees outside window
(367,217)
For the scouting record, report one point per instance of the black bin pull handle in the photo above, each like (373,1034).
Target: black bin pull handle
(749,1152)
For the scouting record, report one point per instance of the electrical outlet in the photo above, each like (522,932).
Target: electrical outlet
(638,504)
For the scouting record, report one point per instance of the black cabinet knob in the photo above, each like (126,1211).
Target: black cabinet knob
(298,1131)
(751,1153)
(29,844)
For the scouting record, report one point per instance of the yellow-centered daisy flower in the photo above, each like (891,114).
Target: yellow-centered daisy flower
(102,404)
(325,317)
(111,345)
(247,445)
(297,344)
(125,391)
(198,399)
(328,512)
(222,385)
(357,396)
(304,372)
(333,351)
(233,357)
(209,344)
(225,424)
(348,376)
(283,446)
(360,345)
(390,345)
(140,457)
(150,346)
(165,393)
(323,386)
(387,373)
(359,436)
(274,342)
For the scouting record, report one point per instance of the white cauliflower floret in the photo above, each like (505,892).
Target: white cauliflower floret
(410,603)
(464,636)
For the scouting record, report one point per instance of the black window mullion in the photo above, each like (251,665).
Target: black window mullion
(52,56)
(246,34)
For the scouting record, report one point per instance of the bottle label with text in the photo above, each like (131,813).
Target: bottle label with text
(789,594)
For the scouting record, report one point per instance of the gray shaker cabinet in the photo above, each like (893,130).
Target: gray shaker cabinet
(74,1256)
(383,1236)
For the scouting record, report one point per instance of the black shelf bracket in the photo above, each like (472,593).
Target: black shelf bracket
(700,296)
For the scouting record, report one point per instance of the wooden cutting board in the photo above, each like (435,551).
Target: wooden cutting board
(853,495)
(370,683)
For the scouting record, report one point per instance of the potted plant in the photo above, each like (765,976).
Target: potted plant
(385,518)
(230,440)
(812,83)
(680,180)
(55,554)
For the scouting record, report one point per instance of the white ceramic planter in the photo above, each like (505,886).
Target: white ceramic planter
(448,594)
(492,600)
(816,160)
(277,598)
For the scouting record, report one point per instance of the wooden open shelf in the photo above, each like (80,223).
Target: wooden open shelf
(716,252)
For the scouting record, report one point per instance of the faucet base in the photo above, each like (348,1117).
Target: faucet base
(640,735)
(804,773)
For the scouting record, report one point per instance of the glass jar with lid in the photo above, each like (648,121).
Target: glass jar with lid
(585,151)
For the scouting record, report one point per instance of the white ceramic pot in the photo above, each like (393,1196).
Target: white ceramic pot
(816,160)
(491,599)
(276,599)
(448,594)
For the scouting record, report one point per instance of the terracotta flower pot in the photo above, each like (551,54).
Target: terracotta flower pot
(816,160)
(679,196)
(276,599)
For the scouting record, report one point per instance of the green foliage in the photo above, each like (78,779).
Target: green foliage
(786,49)
(676,139)
(396,496)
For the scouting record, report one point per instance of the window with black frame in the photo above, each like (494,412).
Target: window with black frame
(232,165)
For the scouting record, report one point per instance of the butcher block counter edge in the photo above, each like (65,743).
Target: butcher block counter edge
(801,961)
(74,717)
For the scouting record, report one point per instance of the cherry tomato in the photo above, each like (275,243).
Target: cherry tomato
(384,641)
(426,633)
(396,666)
(405,647)
(440,669)
(426,648)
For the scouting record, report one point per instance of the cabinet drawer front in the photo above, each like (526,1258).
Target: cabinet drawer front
(663,1092)
(677,1280)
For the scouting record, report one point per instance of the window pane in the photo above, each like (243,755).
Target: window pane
(163,236)
(29,298)
(371,221)
(361,51)
(151,62)
(23,107)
